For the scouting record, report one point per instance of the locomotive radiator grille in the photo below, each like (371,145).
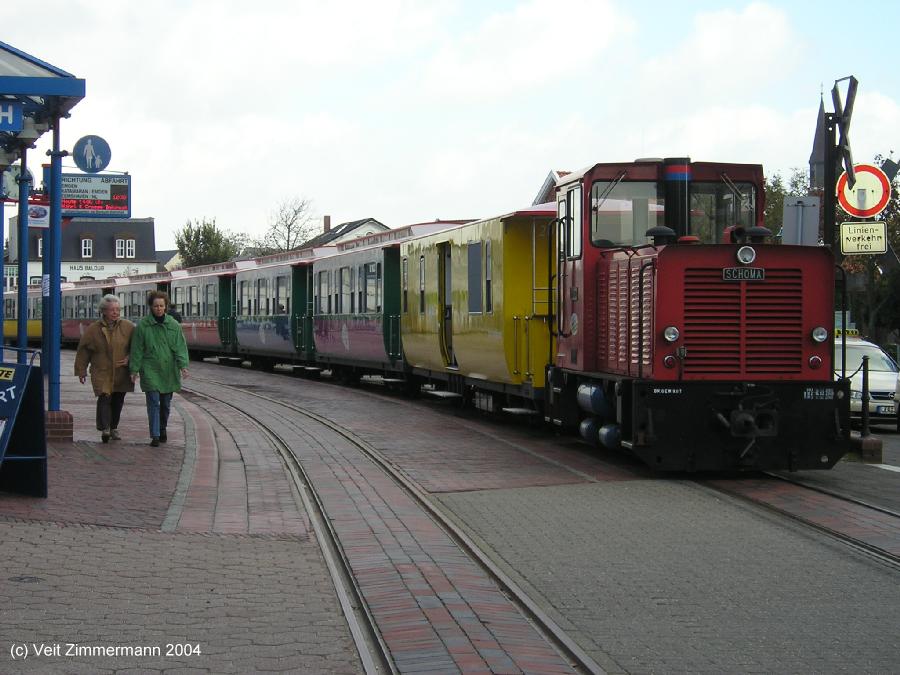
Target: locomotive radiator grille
(746,327)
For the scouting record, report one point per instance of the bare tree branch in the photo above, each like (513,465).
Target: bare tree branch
(290,225)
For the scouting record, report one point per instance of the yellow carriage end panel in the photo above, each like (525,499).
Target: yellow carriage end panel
(420,310)
(477,300)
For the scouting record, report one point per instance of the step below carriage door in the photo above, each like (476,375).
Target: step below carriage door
(445,302)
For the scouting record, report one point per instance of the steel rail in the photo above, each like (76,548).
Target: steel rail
(866,548)
(373,652)
(540,619)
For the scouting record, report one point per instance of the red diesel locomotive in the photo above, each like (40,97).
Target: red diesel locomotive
(708,349)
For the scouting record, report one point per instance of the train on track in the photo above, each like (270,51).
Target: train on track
(646,308)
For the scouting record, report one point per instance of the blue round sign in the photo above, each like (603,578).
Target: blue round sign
(91,154)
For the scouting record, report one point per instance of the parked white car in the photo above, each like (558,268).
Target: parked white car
(883,384)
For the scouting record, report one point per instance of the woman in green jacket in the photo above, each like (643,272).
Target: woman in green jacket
(159,356)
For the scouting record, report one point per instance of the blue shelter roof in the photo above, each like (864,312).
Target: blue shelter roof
(44,91)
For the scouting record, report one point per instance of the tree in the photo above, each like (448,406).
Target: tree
(776,191)
(876,298)
(201,242)
(290,225)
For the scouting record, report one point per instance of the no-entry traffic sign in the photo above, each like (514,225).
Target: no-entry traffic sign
(870,194)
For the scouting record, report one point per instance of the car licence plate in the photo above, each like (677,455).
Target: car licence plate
(885,410)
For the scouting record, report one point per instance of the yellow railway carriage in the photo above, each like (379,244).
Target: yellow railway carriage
(34,314)
(477,302)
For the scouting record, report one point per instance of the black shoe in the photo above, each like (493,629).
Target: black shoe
(105,437)
(162,436)
(154,442)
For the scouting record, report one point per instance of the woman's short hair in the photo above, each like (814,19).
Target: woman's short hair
(153,295)
(105,302)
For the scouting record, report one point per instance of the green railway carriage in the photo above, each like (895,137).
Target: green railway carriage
(477,303)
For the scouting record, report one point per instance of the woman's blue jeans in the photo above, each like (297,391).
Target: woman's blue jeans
(157,411)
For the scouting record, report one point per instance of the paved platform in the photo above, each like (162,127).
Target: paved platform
(195,556)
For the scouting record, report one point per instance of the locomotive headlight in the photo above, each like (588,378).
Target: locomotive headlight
(746,255)
(819,334)
(671,333)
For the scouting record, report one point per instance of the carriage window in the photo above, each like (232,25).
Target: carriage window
(95,306)
(282,295)
(262,297)
(191,299)
(352,290)
(405,275)
(371,299)
(245,298)
(622,214)
(475,278)
(137,307)
(322,293)
(10,308)
(421,284)
(212,302)
(360,289)
(346,294)
(488,276)
(378,291)
(123,304)
(68,308)
(178,299)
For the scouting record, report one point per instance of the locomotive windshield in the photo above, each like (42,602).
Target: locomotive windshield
(623,211)
(715,206)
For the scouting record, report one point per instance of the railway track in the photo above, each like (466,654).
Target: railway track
(373,650)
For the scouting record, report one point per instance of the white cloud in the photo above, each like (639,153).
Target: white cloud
(523,49)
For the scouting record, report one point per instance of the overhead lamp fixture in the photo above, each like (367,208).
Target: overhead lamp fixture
(7,158)
(31,131)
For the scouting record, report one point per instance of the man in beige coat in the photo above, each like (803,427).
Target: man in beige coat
(105,347)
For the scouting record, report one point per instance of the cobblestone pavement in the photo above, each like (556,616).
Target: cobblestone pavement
(649,574)
(199,543)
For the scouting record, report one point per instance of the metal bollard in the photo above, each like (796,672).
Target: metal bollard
(865,397)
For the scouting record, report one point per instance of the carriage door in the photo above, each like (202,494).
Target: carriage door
(569,291)
(445,302)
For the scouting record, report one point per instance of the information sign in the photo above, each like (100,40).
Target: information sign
(862,238)
(96,196)
(23,439)
(11,117)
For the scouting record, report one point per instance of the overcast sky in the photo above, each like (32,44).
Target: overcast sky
(410,111)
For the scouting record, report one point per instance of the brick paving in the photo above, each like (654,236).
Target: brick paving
(201,541)
(435,609)
(653,575)
(204,540)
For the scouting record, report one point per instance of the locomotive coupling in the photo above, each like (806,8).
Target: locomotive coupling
(752,424)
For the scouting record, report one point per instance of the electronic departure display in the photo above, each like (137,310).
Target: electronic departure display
(94,195)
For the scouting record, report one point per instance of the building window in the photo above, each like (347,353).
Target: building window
(120,248)
(129,248)
(87,248)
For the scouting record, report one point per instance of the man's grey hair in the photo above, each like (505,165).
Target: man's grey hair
(105,301)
